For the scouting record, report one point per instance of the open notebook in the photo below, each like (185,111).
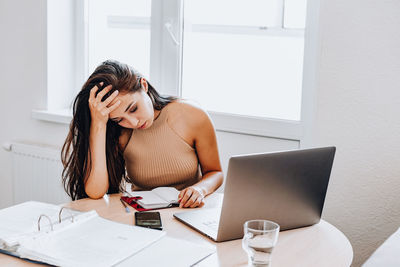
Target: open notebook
(80,239)
(160,197)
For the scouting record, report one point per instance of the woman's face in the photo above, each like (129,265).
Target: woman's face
(136,110)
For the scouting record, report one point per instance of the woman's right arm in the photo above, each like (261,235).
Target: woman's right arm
(96,182)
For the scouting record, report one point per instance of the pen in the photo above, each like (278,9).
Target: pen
(126,206)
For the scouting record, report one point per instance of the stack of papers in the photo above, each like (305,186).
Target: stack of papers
(88,240)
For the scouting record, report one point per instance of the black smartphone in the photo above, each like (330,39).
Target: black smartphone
(149,219)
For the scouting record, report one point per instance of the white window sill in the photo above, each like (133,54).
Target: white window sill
(282,129)
(63,116)
(266,127)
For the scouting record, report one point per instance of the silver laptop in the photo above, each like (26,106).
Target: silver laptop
(287,187)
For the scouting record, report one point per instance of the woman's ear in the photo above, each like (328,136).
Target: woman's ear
(144,84)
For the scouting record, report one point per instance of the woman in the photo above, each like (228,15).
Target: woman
(122,129)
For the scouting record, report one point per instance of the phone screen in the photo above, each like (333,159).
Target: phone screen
(148,219)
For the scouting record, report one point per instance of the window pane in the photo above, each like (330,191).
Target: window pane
(128,42)
(233,12)
(139,8)
(295,13)
(253,75)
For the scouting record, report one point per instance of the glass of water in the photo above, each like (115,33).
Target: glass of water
(260,237)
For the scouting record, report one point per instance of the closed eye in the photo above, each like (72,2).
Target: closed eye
(133,109)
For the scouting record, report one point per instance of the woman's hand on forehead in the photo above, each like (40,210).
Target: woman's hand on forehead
(100,110)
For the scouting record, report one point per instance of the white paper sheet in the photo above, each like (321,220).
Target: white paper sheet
(169,252)
(23,218)
(169,194)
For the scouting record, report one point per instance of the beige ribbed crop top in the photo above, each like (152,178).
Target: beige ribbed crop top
(158,156)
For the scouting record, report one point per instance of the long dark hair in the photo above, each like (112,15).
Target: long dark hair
(75,154)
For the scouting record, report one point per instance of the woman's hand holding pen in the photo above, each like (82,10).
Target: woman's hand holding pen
(99,110)
(191,197)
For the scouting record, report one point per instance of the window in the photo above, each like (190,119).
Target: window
(134,32)
(119,29)
(241,60)
(247,61)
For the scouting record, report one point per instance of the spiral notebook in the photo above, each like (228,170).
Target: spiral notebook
(54,235)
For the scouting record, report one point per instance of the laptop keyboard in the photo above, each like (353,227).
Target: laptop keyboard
(204,220)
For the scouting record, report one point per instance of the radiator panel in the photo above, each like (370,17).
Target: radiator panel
(37,174)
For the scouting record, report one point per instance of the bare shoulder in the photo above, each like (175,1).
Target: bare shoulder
(189,121)
(187,111)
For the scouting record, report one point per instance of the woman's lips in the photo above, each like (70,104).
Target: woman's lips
(143,125)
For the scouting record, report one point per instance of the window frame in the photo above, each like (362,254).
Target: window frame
(241,124)
(166,77)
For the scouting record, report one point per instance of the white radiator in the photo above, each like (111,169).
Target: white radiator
(37,173)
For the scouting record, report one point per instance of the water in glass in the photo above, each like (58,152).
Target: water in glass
(260,237)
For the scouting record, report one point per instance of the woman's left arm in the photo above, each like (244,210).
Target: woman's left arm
(205,142)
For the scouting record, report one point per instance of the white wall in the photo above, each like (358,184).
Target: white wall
(23,82)
(358,110)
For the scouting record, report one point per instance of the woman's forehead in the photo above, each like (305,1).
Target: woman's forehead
(123,97)
(126,99)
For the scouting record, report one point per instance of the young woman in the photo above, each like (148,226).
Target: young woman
(122,129)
